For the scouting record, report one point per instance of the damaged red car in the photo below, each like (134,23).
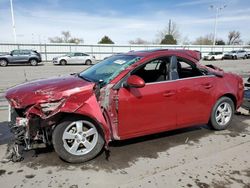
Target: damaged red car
(122,97)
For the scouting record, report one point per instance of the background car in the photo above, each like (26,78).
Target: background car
(214,56)
(21,56)
(74,58)
(236,54)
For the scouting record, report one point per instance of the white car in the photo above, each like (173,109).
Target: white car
(74,58)
(214,56)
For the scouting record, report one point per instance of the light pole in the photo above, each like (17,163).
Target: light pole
(217,9)
(13,20)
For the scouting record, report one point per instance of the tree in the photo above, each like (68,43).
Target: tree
(66,38)
(170,29)
(220,42)
(234,38)
(168,39)
(205,40)
(138,41)
(105,40)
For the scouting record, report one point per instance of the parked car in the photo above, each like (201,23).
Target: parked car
(20,57)
(246,101)
(236,54)
(214,56)
(123,97)
(74,58)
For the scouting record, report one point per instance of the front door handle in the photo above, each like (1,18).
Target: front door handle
(169,93)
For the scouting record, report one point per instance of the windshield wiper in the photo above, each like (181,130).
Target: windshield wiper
(78,74)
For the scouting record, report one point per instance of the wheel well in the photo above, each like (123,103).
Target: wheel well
(33,58)
(232,97)
(63,60)
(88,60)
(62,116)
(4,59)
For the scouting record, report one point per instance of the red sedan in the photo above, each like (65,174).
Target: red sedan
(124,96)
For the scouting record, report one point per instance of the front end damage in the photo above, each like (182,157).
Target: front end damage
(34,112)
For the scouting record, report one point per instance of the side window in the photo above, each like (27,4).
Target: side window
(25,52)
(187,69)
(77,54)
(15,52)
(154,71)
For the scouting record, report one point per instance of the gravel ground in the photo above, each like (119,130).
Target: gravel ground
(193,157)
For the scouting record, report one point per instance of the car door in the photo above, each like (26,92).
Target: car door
(82,58)
(15,56)
(149,109)
(194,94)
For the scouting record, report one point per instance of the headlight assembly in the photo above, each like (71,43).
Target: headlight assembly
(50,106)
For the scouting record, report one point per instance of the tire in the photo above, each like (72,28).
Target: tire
(33,62)
(71,140)
(213,59)
(245,57)
(222,114)
(3,62)
(88,62)
(63,62)
(235,57)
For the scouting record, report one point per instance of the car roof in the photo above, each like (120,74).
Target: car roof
(145,53)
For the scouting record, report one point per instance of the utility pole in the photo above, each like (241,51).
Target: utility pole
(169,26)
(13,21)
(217,9)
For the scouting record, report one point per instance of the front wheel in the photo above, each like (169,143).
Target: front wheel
(222,114)
(88,62)
(77,141)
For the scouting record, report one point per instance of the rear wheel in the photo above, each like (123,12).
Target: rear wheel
(77,141)
(222,114)
(88,62)
(245,57)
(63,62)
(33,62)
(235,57)
(3,62)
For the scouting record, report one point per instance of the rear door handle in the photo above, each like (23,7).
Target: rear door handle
(169,93)
(207,85)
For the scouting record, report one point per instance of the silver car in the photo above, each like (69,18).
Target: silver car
(236,54)
(74,58)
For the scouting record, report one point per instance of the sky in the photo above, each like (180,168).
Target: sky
(121,20)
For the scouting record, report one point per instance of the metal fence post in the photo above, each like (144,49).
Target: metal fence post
(45,52)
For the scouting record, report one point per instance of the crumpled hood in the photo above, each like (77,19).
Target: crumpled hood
(47,90)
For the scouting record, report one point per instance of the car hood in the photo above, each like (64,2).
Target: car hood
(46,90)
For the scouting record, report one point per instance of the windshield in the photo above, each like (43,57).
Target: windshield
(211,53)
(108,69)
(233,51)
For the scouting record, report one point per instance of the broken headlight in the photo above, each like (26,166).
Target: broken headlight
(50,106)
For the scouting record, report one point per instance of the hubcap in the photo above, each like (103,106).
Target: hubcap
(2,62)
(33,62)
(80,137)
(223,113)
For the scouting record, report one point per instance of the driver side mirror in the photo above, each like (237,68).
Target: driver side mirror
(135,81)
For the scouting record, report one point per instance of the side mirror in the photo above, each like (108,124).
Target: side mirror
(135,81)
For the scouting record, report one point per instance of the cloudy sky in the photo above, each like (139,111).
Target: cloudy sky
(121,20)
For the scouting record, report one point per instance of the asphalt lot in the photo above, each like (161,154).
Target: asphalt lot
(193,157)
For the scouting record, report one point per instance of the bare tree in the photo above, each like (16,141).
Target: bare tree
(234,38)
(66,38)
(205,40)
(170,29)
(138,41)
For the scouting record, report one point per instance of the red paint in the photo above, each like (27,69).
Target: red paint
(128,111)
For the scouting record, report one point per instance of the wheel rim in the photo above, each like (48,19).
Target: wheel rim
(223,113)
(33,62)
(3,63)
(80,137)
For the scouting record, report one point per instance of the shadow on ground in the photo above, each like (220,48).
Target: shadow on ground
(123,154)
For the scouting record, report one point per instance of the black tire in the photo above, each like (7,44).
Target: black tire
(63,62)
(213,123)
(213,58)
(245,57)
(3,62)
(58,143)
(88,62)
(235,57)
(33,62)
